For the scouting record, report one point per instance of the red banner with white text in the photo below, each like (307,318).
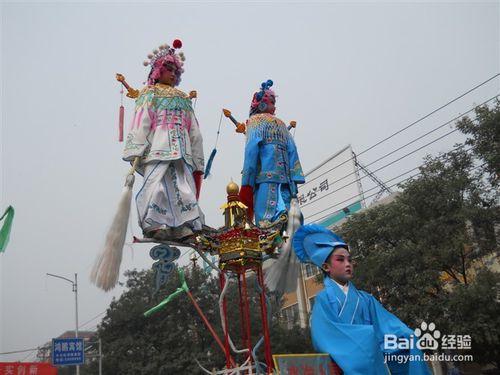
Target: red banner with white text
(27,368)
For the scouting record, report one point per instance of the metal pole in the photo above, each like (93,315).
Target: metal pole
(75,289)
(100,357)
(207,323)
(246,312)
(242,316)
(302,299)
(223,281)
(265,325)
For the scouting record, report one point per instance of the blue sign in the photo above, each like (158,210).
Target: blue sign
(68,352)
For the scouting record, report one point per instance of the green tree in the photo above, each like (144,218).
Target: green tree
(169,341)
(423,254)
(484,137)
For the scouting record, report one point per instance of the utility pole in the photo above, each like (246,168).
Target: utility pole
(75,290)
(371,175)
(100,357)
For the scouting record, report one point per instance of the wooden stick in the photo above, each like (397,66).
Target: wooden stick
(131,92)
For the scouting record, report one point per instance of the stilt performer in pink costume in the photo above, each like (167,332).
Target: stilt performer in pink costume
(165,146)
(166,137)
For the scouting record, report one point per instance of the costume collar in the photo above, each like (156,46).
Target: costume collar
(348,302)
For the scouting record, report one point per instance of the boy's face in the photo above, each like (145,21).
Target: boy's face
(339,265)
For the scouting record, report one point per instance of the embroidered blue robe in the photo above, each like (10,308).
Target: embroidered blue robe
(351,329)
(271,166)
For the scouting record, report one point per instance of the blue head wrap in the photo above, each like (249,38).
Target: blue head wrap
(314,244)
(259,100)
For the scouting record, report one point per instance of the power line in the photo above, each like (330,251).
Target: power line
(357,195)
(42,346)
(93,327)
(29,355)
(376,187)
(19,351)
(431,131)
(371,195)
(394,151)
(430,114)
(95,317)
(378,169)
(414,123)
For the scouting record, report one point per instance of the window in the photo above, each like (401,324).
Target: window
(311,270)
(290,315)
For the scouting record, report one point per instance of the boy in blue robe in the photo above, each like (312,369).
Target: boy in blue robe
(271,169)
(348,323)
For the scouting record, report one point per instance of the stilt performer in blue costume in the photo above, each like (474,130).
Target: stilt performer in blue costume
(271,169)
(348,323)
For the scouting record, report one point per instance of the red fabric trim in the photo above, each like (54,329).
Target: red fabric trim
(246,197)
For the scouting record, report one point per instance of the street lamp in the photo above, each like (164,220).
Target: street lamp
(75,290)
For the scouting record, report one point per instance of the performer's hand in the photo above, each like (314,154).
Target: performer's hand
(198,178)
(246,197)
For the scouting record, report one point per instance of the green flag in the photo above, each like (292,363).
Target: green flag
(184,288)
(6,227)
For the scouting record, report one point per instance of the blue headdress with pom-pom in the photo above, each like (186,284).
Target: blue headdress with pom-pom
(314,244)
(259,100)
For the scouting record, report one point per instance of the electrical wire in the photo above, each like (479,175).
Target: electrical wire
(412,124)
(371,195)
(378,169)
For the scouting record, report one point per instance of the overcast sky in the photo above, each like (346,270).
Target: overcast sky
(348,73)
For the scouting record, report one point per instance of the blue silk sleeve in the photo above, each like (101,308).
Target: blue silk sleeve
(296,173)
(386,323)
(249,172)
(354,347)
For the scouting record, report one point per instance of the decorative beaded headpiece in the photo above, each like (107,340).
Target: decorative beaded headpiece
(162,56)
(262,98)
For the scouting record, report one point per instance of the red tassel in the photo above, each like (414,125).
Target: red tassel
(198,178)
(120,123)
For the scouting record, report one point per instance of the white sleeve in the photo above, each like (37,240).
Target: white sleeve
(137,140)
(196,140)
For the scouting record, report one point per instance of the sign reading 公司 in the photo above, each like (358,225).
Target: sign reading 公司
(27,368)
(332,190)
(67,352)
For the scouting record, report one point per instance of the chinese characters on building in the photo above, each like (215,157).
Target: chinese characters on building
(313,192)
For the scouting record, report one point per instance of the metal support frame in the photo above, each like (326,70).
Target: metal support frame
(265,323)
(383,187)
(244,309)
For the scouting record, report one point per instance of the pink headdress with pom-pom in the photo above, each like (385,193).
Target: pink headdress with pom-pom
(163,56)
